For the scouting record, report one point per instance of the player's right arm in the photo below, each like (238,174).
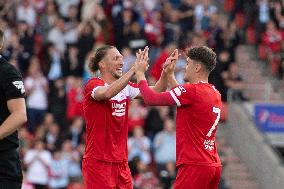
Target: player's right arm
(106,92)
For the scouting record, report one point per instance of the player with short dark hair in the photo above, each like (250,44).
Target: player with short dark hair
(106,101)
(12,116)
(198,113)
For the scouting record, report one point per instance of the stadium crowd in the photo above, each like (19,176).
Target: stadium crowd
(261,24)
(51,41)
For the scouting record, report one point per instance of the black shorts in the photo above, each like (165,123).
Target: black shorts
(10,185)
(10,167)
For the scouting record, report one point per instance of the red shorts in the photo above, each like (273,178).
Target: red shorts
(99,174)
(197,177)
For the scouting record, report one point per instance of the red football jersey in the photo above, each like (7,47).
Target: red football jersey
(106,122)
(198,114)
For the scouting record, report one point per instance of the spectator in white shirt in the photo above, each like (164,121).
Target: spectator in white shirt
(139,146)
(27,13)
(38,161)
(36,89)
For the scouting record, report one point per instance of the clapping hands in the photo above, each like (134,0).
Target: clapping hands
(141,63)
(170,64)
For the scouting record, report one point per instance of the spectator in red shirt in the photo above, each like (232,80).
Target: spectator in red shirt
(157,68)
(272,38)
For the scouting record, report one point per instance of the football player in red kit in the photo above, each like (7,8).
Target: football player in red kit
(198,113)
(105,105)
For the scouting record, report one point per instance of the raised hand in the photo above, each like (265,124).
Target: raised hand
(170,64)
(141,63)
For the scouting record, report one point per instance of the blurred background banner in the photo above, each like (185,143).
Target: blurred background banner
(269,117)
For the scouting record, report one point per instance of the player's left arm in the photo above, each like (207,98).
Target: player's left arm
(153,98)
(161,84)
(16,119)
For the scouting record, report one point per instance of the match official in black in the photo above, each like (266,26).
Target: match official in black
(12,116)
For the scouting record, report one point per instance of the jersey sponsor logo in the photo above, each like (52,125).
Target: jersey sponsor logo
(209,145)
(19,85)
(178,90)
(118,109)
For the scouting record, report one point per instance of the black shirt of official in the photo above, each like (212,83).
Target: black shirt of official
(11,87)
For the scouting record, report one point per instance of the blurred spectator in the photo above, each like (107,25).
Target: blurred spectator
(180,68)
(87,12)
(74,97)
(58,172)
(203,12)
(145,178)
(167,175)
(232,38)
(272,38)
(139,146)
(64,6)
(154,28)
(36,89)
(72,156)
(14,50)
(103,32)
(234,82)
(26,40)
(57,101)
(122,23)
(172,28)
(37,161)
(75,133)
(86,41)
(26,184)
(57,35)
(48,120)
(165,144)
(223,62)
(272,41)
(25,140)
(128,58)
(262,17)
(72,65)
(26,12)
(279,14)
(87,74)
(52,137)
(136,114)
(186,16)
(135,39)
(47,20)
(156,69)
(53,63)
(155,119)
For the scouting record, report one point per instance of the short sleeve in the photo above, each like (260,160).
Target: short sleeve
(12,84)
(92,86)
(183,94)
(133,90)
